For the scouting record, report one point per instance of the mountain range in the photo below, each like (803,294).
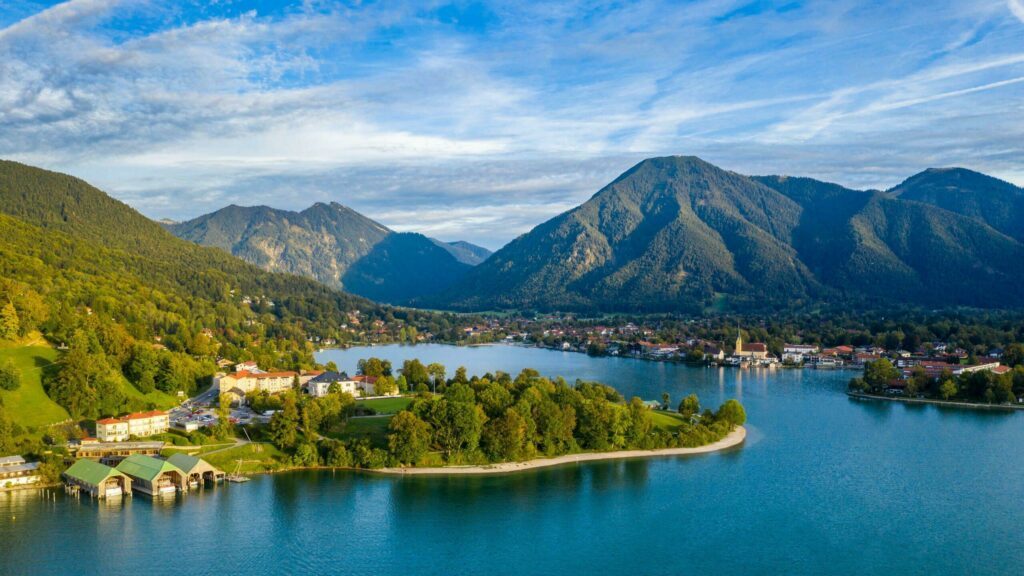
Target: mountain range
(337,246)
(679,234)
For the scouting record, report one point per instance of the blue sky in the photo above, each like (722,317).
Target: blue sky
(479,120)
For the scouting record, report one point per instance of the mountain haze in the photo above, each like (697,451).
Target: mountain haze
(335,245)
(678,233)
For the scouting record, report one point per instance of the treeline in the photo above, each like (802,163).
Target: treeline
(976,331)
(982,386)
(493,418)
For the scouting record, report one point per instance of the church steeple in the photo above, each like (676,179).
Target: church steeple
(739,340)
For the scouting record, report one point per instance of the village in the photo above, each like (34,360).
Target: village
(122,458)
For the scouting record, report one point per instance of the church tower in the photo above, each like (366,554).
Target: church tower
(739,341)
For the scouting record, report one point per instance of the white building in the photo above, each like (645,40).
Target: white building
(16,473)
(796,353)
(138,424)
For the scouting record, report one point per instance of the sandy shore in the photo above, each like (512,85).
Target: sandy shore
(734,438)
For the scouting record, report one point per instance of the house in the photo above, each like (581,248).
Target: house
(197,471)
(137,424)
(320,386)
(752,350)
(248,366)
(713,352)
(244,382)
(153,476)
(16,473)
(98,480)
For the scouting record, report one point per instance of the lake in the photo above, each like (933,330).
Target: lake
(824,484)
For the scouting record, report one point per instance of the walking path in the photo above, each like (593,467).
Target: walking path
(735,438)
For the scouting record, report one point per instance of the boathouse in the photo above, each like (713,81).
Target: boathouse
(97,479)
(197,471)
(153,476)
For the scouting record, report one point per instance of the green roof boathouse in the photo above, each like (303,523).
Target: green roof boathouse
(98,480)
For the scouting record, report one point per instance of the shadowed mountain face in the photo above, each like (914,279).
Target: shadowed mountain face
(679,234)
(995,202)
(325,241)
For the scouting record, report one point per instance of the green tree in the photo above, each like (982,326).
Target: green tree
(408,438)
(1013,355)
(10,376)
(948,390)
(731,412)
(879,373)
(415,373)
(385,386)
(505,438)
(690,406)
(437,373)
(640,424)
(284,424)
(10,326)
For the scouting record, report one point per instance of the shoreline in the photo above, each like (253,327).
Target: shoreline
(945,403)
(734,438)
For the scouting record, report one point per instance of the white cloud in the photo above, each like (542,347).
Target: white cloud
(1017,8)
(398,114)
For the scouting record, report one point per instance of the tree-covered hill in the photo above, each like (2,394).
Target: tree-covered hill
(995,202)
(679,234)
(141,310)
(335,245)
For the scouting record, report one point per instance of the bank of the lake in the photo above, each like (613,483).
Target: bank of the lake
(823,484)
(732,440)
(934,402)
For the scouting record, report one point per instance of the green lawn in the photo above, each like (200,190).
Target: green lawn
(375,428)
(159,400)
(387,405)
(255,458)
(666,420)
(29,405)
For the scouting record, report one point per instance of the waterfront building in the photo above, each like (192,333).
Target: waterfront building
(197,471)
(97,479)
(15,472)
(751,350)
(153,476)
(138,424)
(111,453)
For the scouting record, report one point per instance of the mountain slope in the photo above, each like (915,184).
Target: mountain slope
(995,202)
(143,313)
(403,266)
(325,242)
(888,249)
(680,234)
(465,252)
(669,234)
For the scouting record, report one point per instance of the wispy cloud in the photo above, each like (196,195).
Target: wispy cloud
(480,120)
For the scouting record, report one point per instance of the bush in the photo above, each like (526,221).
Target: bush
(10,376)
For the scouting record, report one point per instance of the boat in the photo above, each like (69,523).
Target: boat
(235,476)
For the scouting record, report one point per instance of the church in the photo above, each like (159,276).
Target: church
(753,350)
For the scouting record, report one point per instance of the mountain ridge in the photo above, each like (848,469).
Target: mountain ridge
(680,234)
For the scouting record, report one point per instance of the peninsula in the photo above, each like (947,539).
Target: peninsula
(733,439)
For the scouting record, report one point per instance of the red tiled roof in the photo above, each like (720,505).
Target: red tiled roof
(755,347)
(108,421)
(140,415)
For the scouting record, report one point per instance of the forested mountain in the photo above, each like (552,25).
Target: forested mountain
(465,252)
(142,311)
(679,234)
(993,201)
(335,245)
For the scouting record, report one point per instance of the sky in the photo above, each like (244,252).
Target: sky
(477,121)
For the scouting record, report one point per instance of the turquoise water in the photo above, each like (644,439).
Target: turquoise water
(824,485)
